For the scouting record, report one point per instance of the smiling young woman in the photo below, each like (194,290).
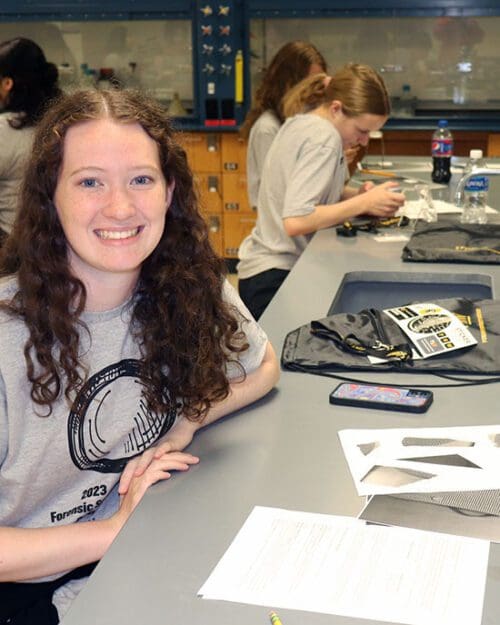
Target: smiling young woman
(120,339)
(112,200)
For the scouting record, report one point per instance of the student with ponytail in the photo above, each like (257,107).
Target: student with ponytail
(303,186)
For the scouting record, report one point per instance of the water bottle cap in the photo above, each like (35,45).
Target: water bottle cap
(475,154)
(442,123)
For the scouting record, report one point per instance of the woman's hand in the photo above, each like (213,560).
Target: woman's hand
(366,186)
(159,469)
(177,439)
(383,200)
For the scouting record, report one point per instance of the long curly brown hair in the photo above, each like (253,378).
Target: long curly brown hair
(186,333)
(288,67)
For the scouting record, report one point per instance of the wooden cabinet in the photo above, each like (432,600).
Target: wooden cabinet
(218,162)
(493,145)
(234,194)
(234,153)
(236,227)
(209,187)
(418,142)
(203,151)
(239,218)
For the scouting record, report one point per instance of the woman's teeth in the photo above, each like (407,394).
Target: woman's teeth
(117,234)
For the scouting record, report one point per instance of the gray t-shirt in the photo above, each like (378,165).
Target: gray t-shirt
(63,468)
(304,168)
(15,148)
(259,141)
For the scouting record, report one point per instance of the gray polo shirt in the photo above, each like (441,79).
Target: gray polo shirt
(261,137)
(15,148)
(304,168)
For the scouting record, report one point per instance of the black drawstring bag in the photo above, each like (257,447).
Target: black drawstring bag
(344,342)
(451,241)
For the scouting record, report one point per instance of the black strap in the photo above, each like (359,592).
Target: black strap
(380,348)
(460,381)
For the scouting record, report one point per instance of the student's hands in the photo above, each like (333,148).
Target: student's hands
(382,200)
(139,466)
(159,469)
(176,439)
(366,186)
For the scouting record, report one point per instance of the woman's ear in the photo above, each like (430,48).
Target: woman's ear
(170,193)
(336,107)
(6,84)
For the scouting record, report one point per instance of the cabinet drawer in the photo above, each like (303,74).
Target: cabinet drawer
(209,192)
(234,193)
(234,153)
(236,228)
(214,224)
(203,150)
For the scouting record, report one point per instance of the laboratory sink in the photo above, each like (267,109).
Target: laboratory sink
(385,289)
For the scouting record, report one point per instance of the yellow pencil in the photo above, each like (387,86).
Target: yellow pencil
(275,619)
(378,172)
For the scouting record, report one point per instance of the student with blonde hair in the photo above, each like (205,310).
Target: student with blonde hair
(303,183)
(306,95)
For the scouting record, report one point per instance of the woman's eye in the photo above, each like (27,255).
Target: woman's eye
(142,180)
(89,183)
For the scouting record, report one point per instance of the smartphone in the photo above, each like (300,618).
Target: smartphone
(382,397)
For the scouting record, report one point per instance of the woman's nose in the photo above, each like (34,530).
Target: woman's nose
(119,204)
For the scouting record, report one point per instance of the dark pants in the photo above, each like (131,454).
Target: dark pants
(3,236)
(31,604)
(257,291)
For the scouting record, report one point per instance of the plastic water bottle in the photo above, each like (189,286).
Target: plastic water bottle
(475,192)
(442,151)
(406,104)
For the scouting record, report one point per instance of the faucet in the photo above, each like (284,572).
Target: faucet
(475,171)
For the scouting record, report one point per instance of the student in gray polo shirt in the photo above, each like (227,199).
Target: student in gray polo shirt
(303,186)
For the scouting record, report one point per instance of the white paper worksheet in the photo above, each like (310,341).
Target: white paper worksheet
(339,565)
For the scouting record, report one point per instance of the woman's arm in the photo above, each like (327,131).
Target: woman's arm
(379,201)
(241,393)
(32,553)
(256,384)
